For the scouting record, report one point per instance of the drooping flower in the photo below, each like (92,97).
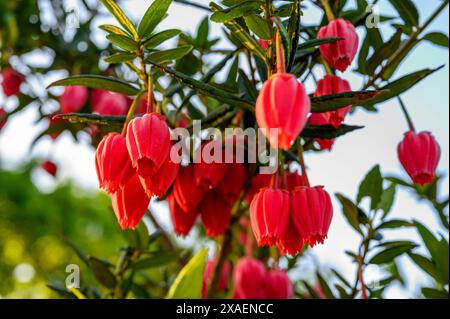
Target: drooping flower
(160,182)
(269,215)
(49,167)
(332,84)
(249,279)
(73,98)
(340,54)
(112,163)
(278,285)
(11,82)
(282,108)
(419,154)
(56,125)
(224,276)
(311,213)
(186,196)
(109,103)
(233,182)
(182,221)
(211,169)
(259,182)
(148,143)
(292,242)
(130,203)
(215,213)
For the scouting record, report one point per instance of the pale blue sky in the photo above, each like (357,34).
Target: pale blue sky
(340,171)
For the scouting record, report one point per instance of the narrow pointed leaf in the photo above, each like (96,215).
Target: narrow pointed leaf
(120,16)
(98,82)
(152,17)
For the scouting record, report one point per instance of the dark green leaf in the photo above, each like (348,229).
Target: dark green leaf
(259,26)
(333,102)
(158,260)
(325,288)
(437,38)
(384,52)
(390,253)
(394,223)
(407,10)
(432,293)
(350,211)
(236,11)
(160,37)
(98,82)
(426,265)
(123,42)
(316,42)
(169,55)
(102,273)
(327,131)
(428,238)
(202,34)
(152,17)
(120,57)
(371,186)
(387,199)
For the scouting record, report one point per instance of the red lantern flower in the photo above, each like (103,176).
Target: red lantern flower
(109,103)
(341,53)
(282,106)
(148,143)
(216,214)
(278,285)
(73,98)
(11,82)
(2,118)
(332,84)
(269,215)
(130,203)
(161,181)
(182,221)
(207,276)
(50,167)
(292,242)
(233,182)
(311,212)
(209,171)
(113,163)
(419,155)
(187,197)
(249,279)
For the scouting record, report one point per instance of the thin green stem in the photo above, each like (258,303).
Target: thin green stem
(328,10)
(132,110)
(301,161)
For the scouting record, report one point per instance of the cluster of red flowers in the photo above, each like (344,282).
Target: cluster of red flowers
(208,190)
(251,280)
(289,213)
(136,165)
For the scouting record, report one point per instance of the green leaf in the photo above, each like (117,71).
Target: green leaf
(327,131)
(98,82)
(350,211)
(387,199)
(427,266)
(437,38)
(401,85)
(202,34)
(158,260)
(442,260)
(407,10)
(102,273)
(61,291)
(371,186)
(428,238)
(123,42)
(390,70)
(333,102)
(152,17)
(120,16)
(241,34)
(120,57)
(390,253)
(188,283)
(259,26)
(384,52)
(325,288)
(432,293)
(204,88)
(90,118)
(236,11)
(77,251)
(169,55)
(394,223)
(160,37)
(316,42)
(112,29)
